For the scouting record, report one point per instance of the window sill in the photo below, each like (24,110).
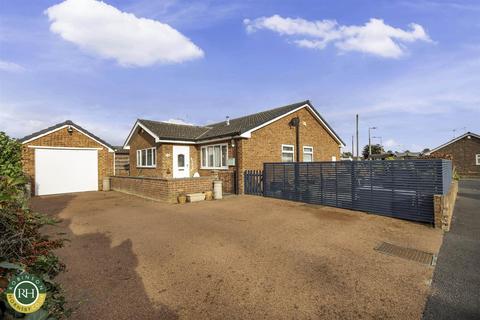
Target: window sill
(221,168)
(146,167)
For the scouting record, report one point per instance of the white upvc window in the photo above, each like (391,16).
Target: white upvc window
(147,158)
(307,154)
(215,156)
(477,159)
(288,153)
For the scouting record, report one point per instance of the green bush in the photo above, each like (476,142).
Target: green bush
(10,157)
(22,247)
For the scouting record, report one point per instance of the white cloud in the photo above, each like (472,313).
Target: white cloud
(10,66)
(375,37)
(102,29)
(179,121)
(390,143)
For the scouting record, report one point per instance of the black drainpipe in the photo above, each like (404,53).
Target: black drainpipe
(237,171)
(295,122)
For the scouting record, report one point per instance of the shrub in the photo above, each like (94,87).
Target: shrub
(22,247)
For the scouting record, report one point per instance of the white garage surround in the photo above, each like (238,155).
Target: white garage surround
(64,170)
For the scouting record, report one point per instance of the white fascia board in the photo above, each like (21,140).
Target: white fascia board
(44,134)
(248,134)
(138,124)
(199,142)
(65,126)
(63,148)
(176,141)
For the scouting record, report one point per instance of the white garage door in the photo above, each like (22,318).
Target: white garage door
(65,170)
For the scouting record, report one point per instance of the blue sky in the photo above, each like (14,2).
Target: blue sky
(411,68)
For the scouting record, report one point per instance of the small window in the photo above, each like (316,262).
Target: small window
(287,153)
(477,159)
(146,158)
(307,154)
(181,160)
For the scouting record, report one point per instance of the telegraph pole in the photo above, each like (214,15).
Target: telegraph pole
(357,134)
(353,155)
(370,142)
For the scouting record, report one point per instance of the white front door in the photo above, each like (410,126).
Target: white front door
(65,170)
(181,161)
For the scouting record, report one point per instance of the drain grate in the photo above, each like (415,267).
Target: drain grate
(407,253)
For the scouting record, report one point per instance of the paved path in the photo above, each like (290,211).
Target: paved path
(456,281)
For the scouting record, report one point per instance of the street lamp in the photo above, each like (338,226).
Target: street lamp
(381,141)
(370,142)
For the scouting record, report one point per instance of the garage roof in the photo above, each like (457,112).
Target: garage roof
(61,125)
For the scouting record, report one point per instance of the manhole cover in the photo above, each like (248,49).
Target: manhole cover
(407,253)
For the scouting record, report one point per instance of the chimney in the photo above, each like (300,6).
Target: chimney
(227,122)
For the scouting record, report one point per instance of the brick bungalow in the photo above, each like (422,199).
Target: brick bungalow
(66,158)
(465,153)
(296,132)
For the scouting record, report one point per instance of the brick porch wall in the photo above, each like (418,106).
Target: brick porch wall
(163,189)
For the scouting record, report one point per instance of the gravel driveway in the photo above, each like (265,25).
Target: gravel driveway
(243,257)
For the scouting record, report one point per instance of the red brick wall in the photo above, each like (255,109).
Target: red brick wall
(62,138)
(161,188)
(463,154)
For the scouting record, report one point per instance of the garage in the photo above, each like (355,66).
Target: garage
(66,158)
(65,170)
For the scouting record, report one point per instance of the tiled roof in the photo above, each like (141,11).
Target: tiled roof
(243,124)
(237,126)
(171,131)
(59,125)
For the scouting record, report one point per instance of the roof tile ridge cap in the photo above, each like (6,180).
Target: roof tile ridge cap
(173,124)
(300,103)
(208,129)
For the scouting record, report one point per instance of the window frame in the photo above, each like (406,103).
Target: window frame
(204,164)
(477,159)
(140,155)
(292,152)
(310,153)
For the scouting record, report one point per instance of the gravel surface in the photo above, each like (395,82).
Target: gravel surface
(456,282)
(243,257)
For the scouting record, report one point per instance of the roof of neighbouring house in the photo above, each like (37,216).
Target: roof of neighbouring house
(120,150)
(407,154)
(454,140)
(237,126)
(59,126)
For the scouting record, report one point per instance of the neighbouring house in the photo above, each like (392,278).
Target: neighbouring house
(407,155)
(465,153)
(66,158)
(296,132)
(383,156)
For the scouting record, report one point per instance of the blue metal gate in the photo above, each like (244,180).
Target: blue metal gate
(399,188)
(253,182)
